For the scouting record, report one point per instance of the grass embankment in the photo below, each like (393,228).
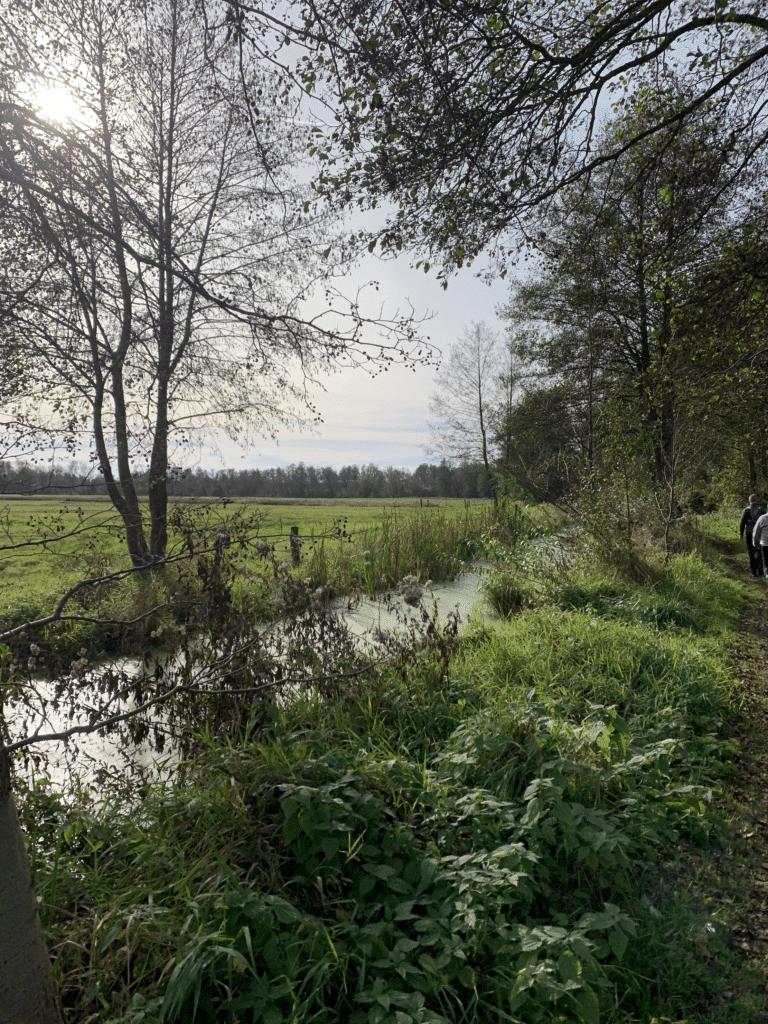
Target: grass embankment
(349,547)
(503,831)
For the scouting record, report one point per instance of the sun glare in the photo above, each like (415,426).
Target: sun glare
(55,104)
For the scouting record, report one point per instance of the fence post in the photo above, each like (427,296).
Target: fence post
(295,545)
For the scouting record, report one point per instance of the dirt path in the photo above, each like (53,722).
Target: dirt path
(742,873)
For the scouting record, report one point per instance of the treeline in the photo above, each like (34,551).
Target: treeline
(467,480)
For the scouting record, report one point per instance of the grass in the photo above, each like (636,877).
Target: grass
(429,545)
(347,547)
(497,831)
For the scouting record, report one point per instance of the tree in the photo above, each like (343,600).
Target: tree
(371,482)
(538,442)
(172,246)
(621,255)
(467,388)
(728,369)
(471,118)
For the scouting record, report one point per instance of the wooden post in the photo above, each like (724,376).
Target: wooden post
(295,545)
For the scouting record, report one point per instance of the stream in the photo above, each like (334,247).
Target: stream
(95,762)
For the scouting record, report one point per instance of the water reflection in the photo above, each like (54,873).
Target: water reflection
(118,760)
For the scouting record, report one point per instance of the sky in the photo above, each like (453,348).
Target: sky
(382,419)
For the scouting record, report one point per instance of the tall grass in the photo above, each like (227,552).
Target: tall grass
(429,545)
(486,837)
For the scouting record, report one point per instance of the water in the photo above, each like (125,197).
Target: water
(97,762)
(462,595)
(86,760)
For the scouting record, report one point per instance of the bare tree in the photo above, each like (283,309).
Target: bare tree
(172,245)
(470,383)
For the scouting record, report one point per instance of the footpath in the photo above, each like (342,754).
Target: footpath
(739,876)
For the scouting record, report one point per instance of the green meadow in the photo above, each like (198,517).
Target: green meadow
(361,546)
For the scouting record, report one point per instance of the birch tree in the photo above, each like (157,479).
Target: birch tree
(467,392)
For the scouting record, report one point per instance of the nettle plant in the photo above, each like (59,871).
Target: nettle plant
(492,877)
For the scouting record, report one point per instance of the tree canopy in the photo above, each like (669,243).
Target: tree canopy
(624,322)
(471,117)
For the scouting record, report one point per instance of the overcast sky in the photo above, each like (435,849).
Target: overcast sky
(381,419)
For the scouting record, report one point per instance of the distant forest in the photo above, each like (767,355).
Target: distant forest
(468,480)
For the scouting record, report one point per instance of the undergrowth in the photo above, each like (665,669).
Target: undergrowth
(488,833)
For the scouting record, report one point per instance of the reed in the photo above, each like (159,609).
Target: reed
(432,545)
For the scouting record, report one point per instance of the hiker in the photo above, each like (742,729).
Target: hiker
(749,518)
(759,542)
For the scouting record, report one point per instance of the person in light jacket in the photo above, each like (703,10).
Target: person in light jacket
(760,540)
(749,517)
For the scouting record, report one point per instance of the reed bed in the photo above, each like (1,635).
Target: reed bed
(430,545)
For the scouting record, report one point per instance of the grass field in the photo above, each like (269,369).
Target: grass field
(49,543)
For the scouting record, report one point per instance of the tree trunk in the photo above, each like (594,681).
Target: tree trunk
(26,986)
(125,499)
(158,477)
(663,421)
(128,503)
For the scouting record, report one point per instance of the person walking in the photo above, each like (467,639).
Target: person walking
(760,543)
(749,518)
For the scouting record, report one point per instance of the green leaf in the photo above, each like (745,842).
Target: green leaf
(467,977)
(619,942)
(568,966)
(587,1006)
(406,945)
(428,872)
(403,911)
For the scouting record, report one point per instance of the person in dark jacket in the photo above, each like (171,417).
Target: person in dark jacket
(749,518)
